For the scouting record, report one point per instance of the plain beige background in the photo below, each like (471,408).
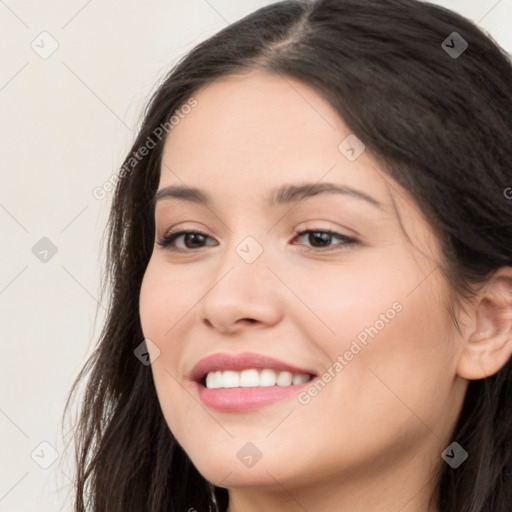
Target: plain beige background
(67,120)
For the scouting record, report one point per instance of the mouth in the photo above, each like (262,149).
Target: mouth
(243,382)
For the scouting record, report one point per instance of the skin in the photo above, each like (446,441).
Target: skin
(372,438)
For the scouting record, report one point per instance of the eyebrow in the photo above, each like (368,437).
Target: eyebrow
(283,195)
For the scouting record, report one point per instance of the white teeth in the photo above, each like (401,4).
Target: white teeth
(267,378)
(252,378)
(249,378)
(299,378)
(210,380)
(284,379)
(230,379)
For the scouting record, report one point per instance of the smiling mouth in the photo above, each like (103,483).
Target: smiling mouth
(253,378)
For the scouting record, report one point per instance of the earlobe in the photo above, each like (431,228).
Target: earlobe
(489,346)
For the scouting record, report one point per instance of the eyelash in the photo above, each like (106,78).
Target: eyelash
(166,241)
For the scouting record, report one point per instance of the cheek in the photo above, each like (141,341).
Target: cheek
(405,368)
(165,298)
(158,302)
(346,301)
(392,332)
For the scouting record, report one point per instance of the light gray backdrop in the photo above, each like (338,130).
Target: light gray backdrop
(74,76)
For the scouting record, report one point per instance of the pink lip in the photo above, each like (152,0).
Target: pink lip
(243,399)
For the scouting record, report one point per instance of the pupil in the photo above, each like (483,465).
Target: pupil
(190,237)
(321,237)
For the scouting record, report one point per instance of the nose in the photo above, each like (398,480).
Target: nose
(242,292)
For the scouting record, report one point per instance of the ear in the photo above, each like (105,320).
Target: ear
(488,345)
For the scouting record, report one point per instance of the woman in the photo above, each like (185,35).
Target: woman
(310,253)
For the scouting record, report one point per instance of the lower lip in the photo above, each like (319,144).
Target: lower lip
(245,399)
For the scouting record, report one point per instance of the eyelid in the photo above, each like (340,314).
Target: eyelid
(323,225)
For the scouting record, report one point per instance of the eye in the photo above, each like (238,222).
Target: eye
(321,238)
(192,240)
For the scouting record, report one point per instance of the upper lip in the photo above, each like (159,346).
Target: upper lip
(238,362)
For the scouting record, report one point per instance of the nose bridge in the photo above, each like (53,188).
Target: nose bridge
(243,264)
(239,288)
(250,249)
(248,235)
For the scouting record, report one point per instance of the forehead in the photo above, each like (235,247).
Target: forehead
(259,130)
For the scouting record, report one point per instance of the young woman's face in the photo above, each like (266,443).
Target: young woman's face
(361,309)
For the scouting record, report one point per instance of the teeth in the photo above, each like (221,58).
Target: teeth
(299,378)
(284,379)
(267,378)
(249,378)
(252,379)
(229,379)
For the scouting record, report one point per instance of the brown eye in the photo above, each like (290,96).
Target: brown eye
(191,240)
(321,238)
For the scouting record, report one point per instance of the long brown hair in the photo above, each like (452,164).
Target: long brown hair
(438,124)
